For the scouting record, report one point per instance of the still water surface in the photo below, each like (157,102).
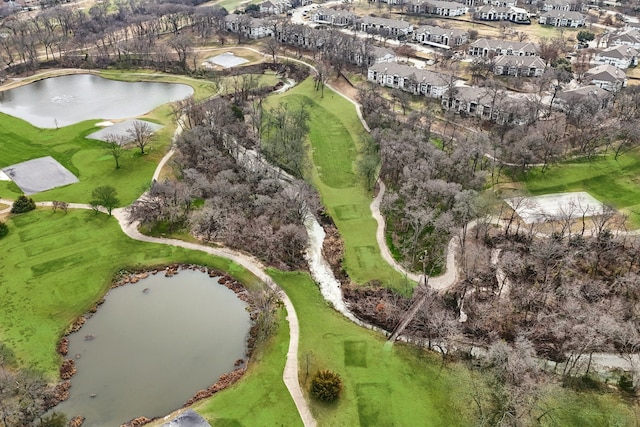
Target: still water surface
(65,100)
(151,351)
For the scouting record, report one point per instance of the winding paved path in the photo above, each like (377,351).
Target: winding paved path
(290,374)
(441,282)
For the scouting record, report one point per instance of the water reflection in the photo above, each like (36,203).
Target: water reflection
(152,345)
(65,100)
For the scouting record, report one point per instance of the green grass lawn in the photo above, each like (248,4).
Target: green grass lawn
(405,386)
(335,133)
(56,266)
(87,159)
(383,385)
(608,180)
(260,398)
(590,409)
(202,88)
(232,5)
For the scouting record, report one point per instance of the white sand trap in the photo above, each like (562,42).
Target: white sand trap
(4,177)
(37,175)
(105,123)
(227,60)
(555,206)
(120,130)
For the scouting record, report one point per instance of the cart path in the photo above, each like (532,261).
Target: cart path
(441,282)
(290,374)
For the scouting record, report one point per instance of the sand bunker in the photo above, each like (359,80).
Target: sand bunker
(555,206)
(227,60)
(189,418)
(119,130)
(37,175)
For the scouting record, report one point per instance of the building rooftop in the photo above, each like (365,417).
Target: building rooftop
(395,23)
(607,73)
(420,75)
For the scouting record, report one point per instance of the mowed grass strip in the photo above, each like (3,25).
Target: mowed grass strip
(335,133)
(609,180)
(56,266)
(384,385)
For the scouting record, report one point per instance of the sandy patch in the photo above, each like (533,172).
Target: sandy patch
(555,206)
(37,175)
(226,60)
(119,130)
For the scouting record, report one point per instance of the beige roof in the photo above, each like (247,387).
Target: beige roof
(504,44)
(421,76)
(432,29)
(334,12)
(561,14)
(581,92)
(607,73)
(519,61)
(385,22)
(619,52)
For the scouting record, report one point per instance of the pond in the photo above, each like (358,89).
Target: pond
(152,345)
(65,100)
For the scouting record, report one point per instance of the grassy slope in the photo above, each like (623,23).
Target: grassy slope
(591,409)
(56,266)
(608,180)
(261,398)
(383,385)
(334,134)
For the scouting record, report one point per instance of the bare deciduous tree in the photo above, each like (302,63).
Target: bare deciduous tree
(141,134)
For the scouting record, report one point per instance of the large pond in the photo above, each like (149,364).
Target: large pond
(65,100)
(152,345)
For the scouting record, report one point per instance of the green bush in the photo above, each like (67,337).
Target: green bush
(626,383)
(4,230)
(23,204)
(56,419)
(326,386)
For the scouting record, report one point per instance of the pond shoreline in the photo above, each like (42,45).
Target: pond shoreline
(131,276)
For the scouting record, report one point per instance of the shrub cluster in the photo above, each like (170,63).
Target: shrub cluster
(23,204)
(4,230)
(326,386)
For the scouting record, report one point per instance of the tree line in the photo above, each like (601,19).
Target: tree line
(125,32)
